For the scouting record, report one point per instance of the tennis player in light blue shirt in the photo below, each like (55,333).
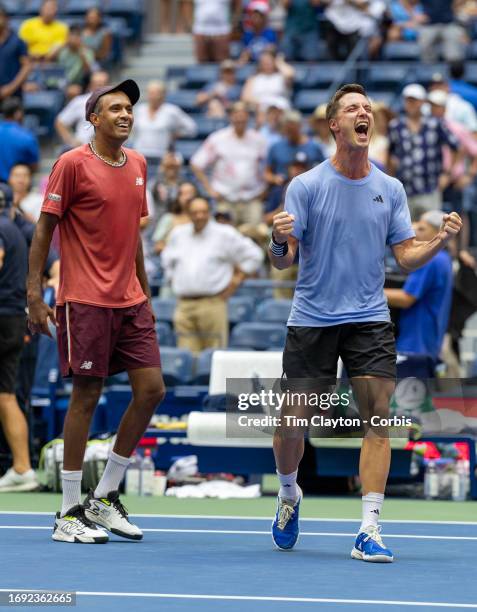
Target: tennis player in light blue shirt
(341,215)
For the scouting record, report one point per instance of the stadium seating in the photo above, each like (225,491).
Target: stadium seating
(45,105)
(273,311)
(387,76)
(324,75)
(240,309)
(176,366)
(307,100)
(206,125)
(203,365)
(187,148)
(165,334)
(164,308)
(258,336)
(185,99)
(197,77)
(401,51)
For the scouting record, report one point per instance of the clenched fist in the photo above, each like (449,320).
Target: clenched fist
(451,226)
(282,226)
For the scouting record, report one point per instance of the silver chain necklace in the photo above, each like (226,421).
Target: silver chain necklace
(117,164)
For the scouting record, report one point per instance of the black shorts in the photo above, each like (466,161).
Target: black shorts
(12,335)
(366,349)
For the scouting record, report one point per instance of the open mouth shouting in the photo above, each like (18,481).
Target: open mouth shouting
(362,129)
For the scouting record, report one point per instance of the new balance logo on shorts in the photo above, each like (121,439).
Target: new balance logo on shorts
(378,198)
(86,365)
(139,180)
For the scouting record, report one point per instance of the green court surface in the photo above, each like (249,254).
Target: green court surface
(312,507)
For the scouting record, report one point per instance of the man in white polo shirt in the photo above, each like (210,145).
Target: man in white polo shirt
(206,261)
(235,155)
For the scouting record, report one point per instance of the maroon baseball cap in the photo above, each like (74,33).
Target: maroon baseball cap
(129,87)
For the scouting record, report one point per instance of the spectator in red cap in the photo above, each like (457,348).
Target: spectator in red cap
(258,36)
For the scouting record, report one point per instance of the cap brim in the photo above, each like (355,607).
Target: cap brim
(130,88)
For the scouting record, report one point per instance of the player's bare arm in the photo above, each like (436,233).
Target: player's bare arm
(412,254)
(38,311)
(281,235)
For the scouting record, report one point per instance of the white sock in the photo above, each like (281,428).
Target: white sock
(112,475)
(288,486)
(372,504)
(71,481)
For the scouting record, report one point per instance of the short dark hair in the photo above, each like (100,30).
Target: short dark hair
(334,104)
(11,106)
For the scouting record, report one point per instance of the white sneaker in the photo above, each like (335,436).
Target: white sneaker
(13,481)
(74,527)
(108,512)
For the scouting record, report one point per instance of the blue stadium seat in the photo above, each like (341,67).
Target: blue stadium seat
(187,148)
(324,74)
(388,98)
(240,308)
(176,366)
(471,73)
(203,365)
(207,125)
(13,7)
(45,105)
(472,50)
(307,100)
(423,73)
(198,76)
(165,334)
(258,336)
(245,71)
(256,288)
(273,311)
(164,309)
(184,98)
(387,75)
(79,7)
(401,51)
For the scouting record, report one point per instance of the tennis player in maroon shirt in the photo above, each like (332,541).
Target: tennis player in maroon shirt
(96,195)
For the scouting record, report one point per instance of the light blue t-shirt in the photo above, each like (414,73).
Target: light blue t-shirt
(343,227)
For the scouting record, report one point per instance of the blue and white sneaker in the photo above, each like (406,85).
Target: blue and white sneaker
(370,547)
(285,527)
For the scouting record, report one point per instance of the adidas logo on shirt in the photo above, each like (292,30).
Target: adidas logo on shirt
(379,199)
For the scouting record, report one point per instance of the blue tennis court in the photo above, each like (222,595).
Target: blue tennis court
(229,564)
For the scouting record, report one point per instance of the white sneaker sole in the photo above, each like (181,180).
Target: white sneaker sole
(59,536)
(357,554)
(19,488)
(123,534)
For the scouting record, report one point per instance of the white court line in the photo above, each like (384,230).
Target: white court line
(268,533)
(379,602)
(255,518)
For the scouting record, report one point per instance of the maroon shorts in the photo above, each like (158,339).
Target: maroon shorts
(97,341)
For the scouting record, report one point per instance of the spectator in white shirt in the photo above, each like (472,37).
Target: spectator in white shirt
(206,261)
(235,155)
(457,109)
(273,80)
(157,124)
(70,124)
(212,27)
